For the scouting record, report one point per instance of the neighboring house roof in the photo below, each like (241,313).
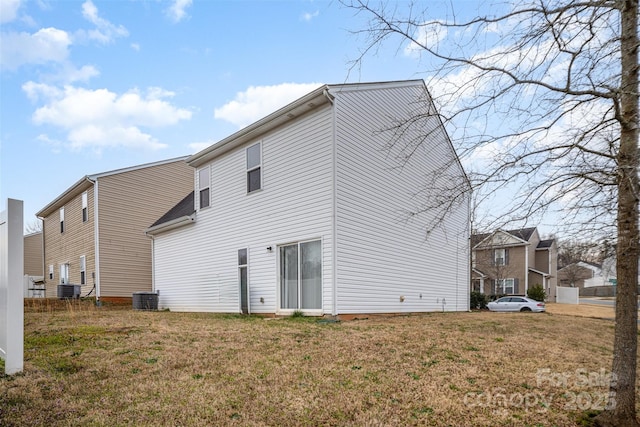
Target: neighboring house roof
(584,264)
(545,244)
(183,211)
(87,181)
(523,234)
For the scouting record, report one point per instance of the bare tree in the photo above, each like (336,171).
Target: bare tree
(543,97)
(34,226)
(571,251)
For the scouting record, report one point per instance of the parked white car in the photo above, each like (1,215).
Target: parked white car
(516,304)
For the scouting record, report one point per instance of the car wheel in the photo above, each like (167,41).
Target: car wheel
(525,309)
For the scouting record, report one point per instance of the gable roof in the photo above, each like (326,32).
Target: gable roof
(87,181)
(320,96)
(545,244)
(521,233)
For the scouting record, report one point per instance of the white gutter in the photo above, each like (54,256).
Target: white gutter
(170,225)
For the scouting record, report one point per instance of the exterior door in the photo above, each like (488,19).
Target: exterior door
(243,276)
(301,276)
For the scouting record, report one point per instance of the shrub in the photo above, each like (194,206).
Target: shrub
(536,292)
(478,300)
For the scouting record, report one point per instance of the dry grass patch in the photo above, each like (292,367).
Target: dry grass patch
(583,310)
(121,367)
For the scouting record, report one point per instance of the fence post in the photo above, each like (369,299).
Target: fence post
(11,287)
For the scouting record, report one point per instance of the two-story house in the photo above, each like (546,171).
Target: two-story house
(93,233)
(509,262)
(308,209)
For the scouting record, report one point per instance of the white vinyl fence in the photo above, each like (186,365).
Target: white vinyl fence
(11,288)
(568,295)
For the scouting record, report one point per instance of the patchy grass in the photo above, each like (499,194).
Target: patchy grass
(104,367)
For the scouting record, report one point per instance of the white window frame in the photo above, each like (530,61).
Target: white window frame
(64,273)
(83,270)
(51,276)
(502,284)
(503,258)
(85,207)
(306,311)
(62,220)
(253,168)
(202,188)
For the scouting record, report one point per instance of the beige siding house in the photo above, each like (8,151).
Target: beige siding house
(94,231)
(33,261)
(510,262)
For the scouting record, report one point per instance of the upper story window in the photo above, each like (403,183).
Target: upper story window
(62,219)
(500,257)
(203,186)
(85,207)
(254,167)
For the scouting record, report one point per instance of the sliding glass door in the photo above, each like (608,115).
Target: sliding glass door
(301,276)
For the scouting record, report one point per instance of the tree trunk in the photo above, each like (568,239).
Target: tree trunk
(622,406)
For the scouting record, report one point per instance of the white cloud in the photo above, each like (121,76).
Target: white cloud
(199,146)
(105,32)
(177,11)
(46,45)
(135,46)
(259,101)
(100,118)
(309,16)
(8,10)
(430,34)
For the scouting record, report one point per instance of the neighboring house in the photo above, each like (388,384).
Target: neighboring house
(94,231)
(509,262)
(580,274)
(33,266)
(609,275)
(307,209)
(33,261)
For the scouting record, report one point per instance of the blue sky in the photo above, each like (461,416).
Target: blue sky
(93,86)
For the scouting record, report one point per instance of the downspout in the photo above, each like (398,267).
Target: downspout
(96,239)
(334,201)
(153,262)
(526,268)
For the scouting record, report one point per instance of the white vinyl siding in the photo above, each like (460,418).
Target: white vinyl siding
(386,262)
(196,266)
